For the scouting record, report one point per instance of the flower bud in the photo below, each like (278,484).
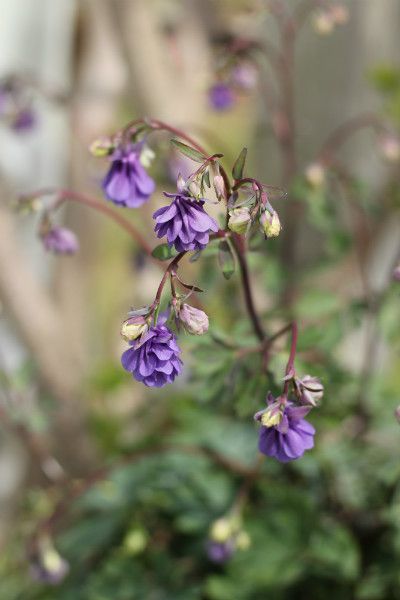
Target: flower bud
(271,416)
(194,189)
(221,530)
(133,328)
(270,223)
(390,147)
(48,566)
(219,186)
(194,321)
(135,541)
(103,146)
(243,540)
(239,219)
(310,390)
(315,174)
(323,22)
(147,156)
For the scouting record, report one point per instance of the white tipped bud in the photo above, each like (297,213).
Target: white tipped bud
(323,22)
(194,320)
(315,174)
(219,186)
(133,328)
(270,223)
(239,219)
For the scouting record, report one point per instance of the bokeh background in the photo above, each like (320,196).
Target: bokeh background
(327,526)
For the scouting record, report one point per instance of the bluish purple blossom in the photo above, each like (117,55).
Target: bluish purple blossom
(24,120)
(185,223)
(127,183)
(221,96)
(285,434)
(154,358)
(60,240)
(220,552)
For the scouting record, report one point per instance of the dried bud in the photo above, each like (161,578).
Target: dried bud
(219,186)
(133,328)
(310,390)
(194,321)
(103,146)
(239,219)
(396,273)
(270,223)
(323,22)
(315,174)
(390,147)
(340,14)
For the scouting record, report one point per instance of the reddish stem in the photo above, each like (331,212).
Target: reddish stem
(292,356)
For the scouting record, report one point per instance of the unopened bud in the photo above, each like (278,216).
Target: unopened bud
(390,147)
(219,186)
(103,146)
(194,189)
(239,219)
(221,530)
(194,320)
(270,223)
(310,390)
(133,328)
(243,540)
(315,174)
(323,22)
(135,541)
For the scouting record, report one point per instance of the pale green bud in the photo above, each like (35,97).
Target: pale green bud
(103,146)
(315,174)
(133,328)
(243,540)
(221,530)
(135,541)
(270,223)
(239,219)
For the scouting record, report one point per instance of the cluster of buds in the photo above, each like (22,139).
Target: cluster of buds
(327,18)
(226,536)
(47,565)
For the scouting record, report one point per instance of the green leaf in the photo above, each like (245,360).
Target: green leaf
(226,259)
(238,167)
(164,252)
(189,151)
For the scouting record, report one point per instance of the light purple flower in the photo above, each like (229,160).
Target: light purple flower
(185,223)
(220,552)
(154,359)
(24,120)
(221,96)
(245,75)
(127,183)
(60,240)
(285,434)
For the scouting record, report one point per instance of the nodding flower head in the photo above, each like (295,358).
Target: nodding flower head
(270,223)
(239,219)
(127,182)
(185,223)
(154,358)
(284,434)
(221,96)
(59,240)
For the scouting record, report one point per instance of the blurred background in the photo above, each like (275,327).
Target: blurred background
(90,506)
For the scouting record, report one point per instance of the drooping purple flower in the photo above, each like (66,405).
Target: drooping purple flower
(127,183)
(285,434)
(60,240)
(154,359)
(24,120)
(221,96)
(185,223)
(220,552)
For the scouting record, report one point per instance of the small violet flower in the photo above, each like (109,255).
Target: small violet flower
(185,223)
(127,182)
(285,434)
(226,536)
(60,240)
(154,357)
(221,96)
(24,120)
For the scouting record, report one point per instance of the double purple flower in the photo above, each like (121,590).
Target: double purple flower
(185,223)
(285,434)
(127,183)
(154,358)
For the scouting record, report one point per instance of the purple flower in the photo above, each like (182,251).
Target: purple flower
(185,223)
(127,182)
(285,434)
(24,120)
(47,565)
(221,96)
(220,552)
(60,240)
(154,359)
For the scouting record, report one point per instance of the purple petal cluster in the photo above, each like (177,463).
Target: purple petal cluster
(291,436)
(127,183)
(60,241)
(221,96)
(185,223)
(154,360)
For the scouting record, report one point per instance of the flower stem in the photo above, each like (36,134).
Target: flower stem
(292,356)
